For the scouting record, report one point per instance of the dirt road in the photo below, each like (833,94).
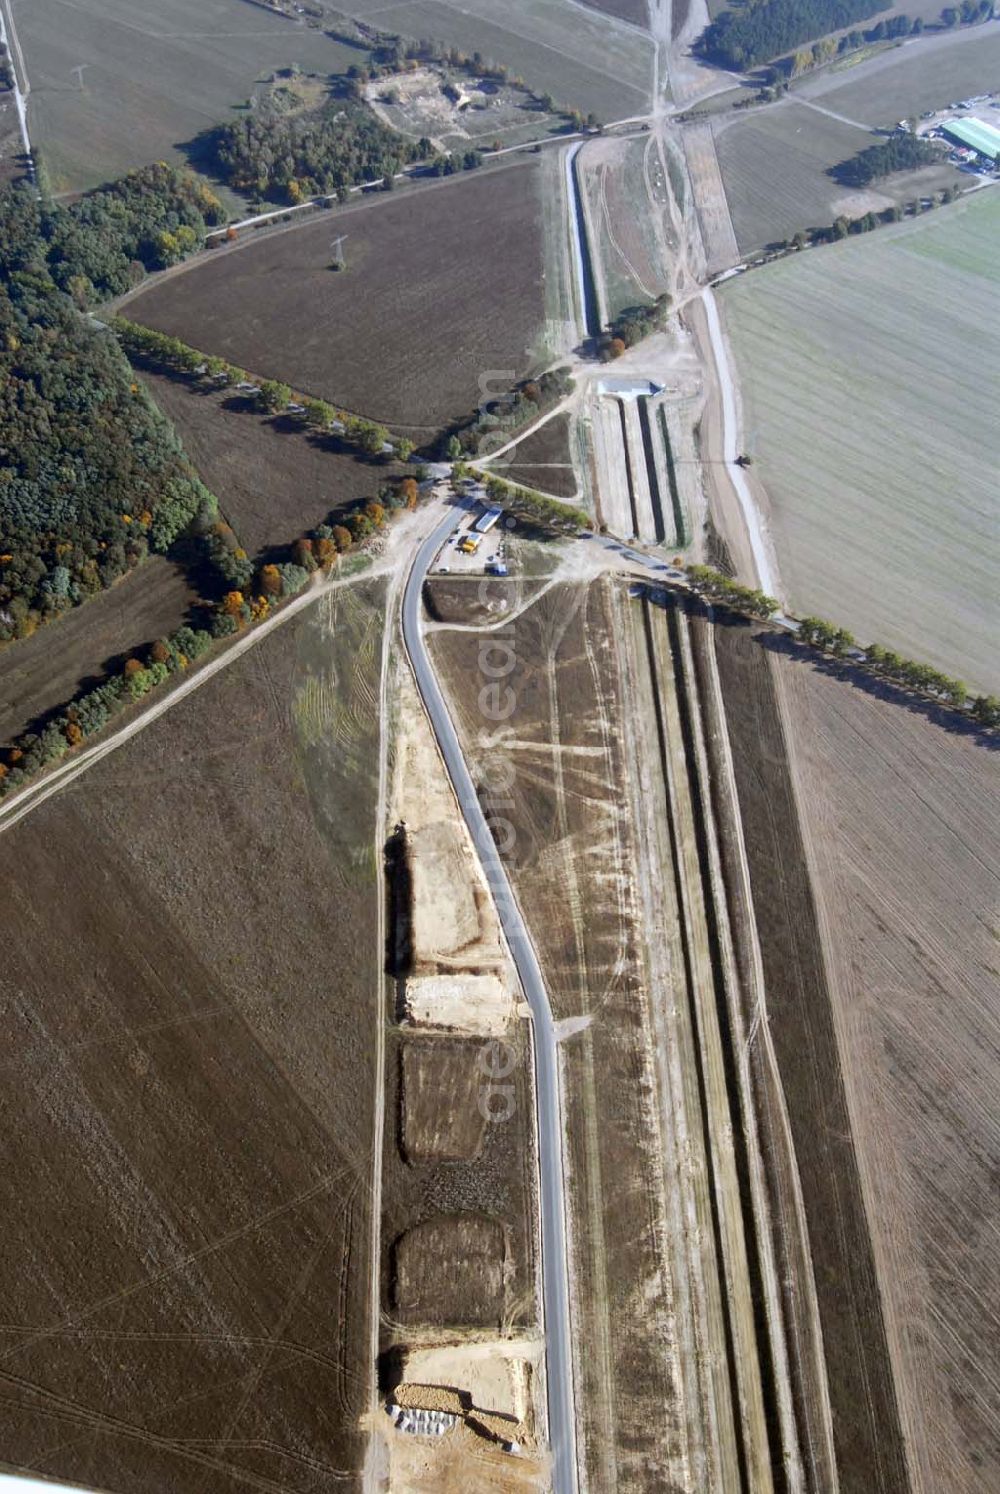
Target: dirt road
(16,806)
(735,507)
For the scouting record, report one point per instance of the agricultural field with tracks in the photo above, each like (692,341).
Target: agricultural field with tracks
(187,1169)
(901,827)
(774,166)
(907,80)
(586,59)
(154,74)
(804,1030)
(636,12)
(274,480)
(543,459)
(626,195)
(38,674)
(443,283)
(868,370)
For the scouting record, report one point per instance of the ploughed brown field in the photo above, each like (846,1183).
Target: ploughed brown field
(440,1118)
(872,833)
(273,479)
(543,460)
(443,283)
(476,599)
(449,1270)
(901,821)
(188,1079)
(40,673)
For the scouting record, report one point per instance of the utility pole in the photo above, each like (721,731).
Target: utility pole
(337,249)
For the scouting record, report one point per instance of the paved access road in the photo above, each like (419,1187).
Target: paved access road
(548,1096)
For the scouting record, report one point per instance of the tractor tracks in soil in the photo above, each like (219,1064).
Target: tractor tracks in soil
(748,1336)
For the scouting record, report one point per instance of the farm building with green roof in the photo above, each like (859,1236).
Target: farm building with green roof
(974,134)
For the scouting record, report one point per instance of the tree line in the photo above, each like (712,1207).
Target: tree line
(900,152)
(744,38)
(90,712)
(268,581)
(721,588)
(831,639)
(967,13)
(844,227)
(500,418)
(159,350)
(537,507)
(92,476)
(253,591)
(630,326)
(778,76)
(828,48)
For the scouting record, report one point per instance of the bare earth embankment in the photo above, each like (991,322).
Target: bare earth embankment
(187,1087)
(459,1235)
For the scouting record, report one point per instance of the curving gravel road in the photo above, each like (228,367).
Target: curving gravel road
(548,1096)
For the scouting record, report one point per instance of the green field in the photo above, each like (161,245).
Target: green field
(585,59)
(775,162)
(869,376)
(921,75)
(155,73)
